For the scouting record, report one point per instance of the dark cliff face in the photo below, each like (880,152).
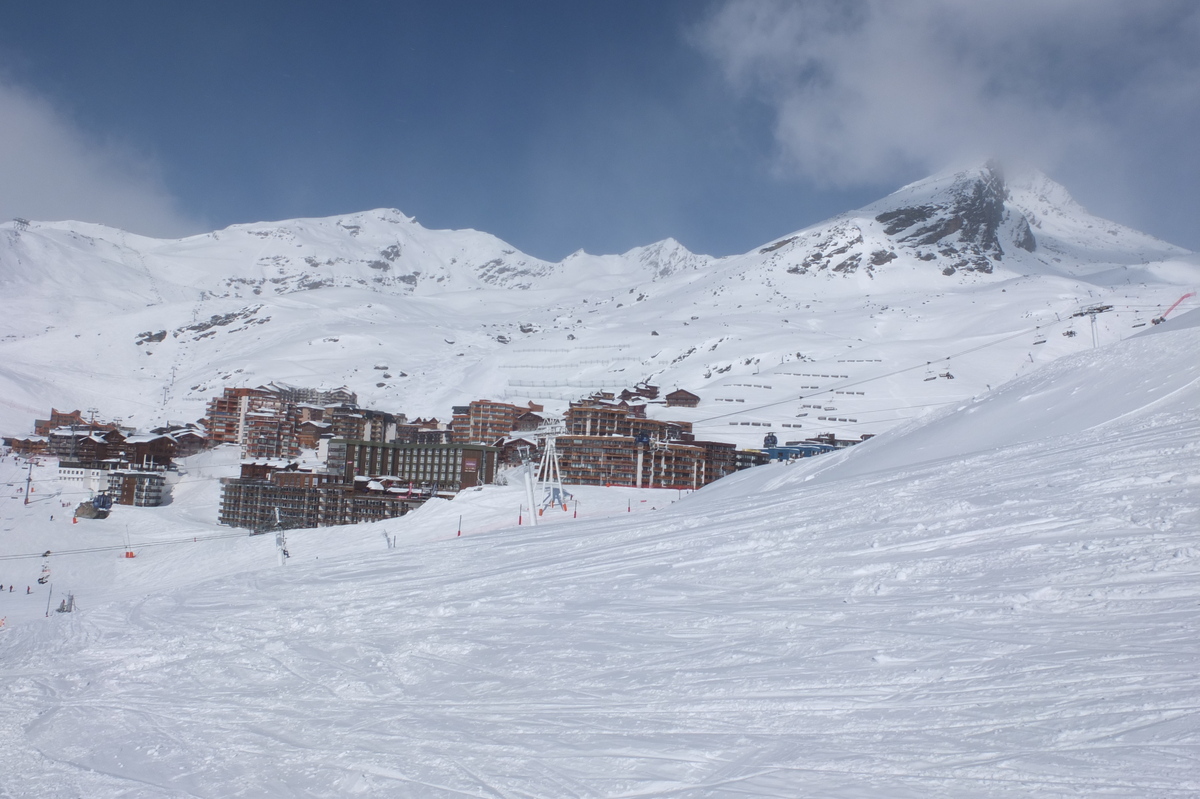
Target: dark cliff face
(966,227)
(966,221)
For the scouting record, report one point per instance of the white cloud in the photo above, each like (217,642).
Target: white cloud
(869,90)
(49,170)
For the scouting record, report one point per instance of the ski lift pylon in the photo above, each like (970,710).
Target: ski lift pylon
(550,476)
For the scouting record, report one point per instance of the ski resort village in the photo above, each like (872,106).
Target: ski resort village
(905,503)
(314,458)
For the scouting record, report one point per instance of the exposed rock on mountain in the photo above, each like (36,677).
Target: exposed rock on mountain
(148,328)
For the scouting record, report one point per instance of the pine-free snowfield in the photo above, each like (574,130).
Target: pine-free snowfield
(989,620)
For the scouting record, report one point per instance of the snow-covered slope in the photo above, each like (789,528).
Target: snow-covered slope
(965,271)
(1009,610)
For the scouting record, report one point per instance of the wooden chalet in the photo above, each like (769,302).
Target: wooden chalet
(149,451)
(529,421)
(682,398)
(309,433)
(189,442)
(513,449)
(640,391)
(27,445)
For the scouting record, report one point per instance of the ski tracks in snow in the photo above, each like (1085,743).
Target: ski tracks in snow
(1018,622)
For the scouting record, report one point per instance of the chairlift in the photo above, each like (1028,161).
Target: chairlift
(1039,341)
(1069,333)
(946,375)
(929,373)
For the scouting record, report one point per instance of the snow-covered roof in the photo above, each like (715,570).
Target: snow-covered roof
(145,439)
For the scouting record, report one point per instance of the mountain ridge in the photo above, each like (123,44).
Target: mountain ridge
(462,314)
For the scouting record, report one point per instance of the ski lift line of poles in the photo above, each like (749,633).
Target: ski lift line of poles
(864,381)
(122,398)
(122,547)
(85,491)
(898,408)
(126,399)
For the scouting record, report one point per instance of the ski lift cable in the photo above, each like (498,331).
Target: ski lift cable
(86,550)
(864,381)
(85,491)
(907,407)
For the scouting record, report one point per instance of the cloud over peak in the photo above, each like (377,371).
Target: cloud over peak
(869,90)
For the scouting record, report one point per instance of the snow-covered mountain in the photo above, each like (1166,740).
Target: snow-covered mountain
(850,326)
(995,599)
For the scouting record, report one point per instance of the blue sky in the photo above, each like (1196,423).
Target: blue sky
(601,126)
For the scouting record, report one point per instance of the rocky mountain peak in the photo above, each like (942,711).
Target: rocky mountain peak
(968,220)
(955,222)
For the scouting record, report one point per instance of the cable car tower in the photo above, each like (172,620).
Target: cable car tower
(549,474)
(1091,312)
